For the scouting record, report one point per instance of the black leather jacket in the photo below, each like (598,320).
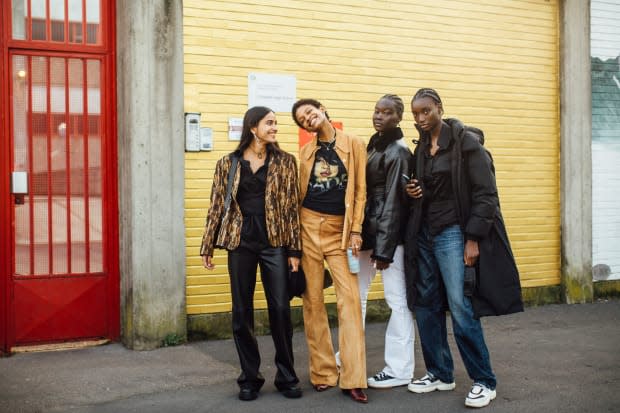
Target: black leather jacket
(386,210)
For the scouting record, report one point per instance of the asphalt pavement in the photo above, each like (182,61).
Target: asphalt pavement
(554,358)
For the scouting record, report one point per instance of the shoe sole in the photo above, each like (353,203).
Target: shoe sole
(292,395)
(347,393)
(475,403)
(248,398)
(441,387)
(393,383)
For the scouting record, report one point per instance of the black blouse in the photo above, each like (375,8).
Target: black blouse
(439,206)
(251,200)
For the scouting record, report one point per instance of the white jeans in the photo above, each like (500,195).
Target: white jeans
(400,331)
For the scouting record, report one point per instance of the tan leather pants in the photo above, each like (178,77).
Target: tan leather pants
(321,236)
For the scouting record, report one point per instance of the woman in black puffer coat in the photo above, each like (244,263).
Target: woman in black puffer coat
(455,229)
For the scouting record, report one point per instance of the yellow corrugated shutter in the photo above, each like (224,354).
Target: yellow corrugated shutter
(494,62)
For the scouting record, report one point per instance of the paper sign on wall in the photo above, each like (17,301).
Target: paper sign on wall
(235,126)
(206,139)
(277,92)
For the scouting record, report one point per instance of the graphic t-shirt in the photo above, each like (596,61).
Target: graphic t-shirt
(328,183)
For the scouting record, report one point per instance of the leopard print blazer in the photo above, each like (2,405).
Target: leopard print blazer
(281,207)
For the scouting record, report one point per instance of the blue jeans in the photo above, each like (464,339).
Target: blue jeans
(440,282)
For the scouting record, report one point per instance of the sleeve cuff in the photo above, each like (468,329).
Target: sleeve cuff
(472,237)
(382,259)
(294,253)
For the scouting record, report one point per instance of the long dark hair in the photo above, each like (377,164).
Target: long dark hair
(251,119)
(300,103)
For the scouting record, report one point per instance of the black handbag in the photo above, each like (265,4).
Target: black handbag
(228,199)
(297,282)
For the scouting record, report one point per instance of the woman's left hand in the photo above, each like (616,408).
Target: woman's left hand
(293,263)
(355,243)
(471,253)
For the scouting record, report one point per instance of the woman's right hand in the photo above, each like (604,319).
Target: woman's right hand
(207,262)
(413,189)
(381,265)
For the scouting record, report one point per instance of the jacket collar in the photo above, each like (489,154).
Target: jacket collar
(380,142)
(342,141)
(445,135)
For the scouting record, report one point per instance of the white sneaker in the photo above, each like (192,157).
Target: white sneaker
(428,383)
(479,396)
(385,381)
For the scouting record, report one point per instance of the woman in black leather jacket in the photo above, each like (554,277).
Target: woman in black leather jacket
(385,217)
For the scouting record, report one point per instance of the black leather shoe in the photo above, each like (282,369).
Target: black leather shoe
(357,395)
(246,394)
(292,392)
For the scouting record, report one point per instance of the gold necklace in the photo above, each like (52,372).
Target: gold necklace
(258,154)
(329,144)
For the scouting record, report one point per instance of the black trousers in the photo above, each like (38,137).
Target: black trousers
(242,265)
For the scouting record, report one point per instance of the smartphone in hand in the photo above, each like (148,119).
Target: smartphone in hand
(469,281)
(412,187)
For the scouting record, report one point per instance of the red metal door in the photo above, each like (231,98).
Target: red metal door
(63,275)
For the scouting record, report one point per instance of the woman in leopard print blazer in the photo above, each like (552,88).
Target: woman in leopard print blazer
(260,228)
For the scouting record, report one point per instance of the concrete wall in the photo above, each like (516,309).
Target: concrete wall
(151,164)
(605,60)
(576,153)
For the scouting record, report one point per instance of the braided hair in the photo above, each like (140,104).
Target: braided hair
(398,103)
(427,92)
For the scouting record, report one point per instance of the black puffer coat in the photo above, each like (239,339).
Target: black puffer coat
(498,289)
(386,213)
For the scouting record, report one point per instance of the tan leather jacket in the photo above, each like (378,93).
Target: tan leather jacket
(281,207)
(352,152)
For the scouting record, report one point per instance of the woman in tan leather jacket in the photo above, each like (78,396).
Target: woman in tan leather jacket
(332,194)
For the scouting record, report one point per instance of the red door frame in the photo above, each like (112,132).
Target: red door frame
(5,245)
(107,52)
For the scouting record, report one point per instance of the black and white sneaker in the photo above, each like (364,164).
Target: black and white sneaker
(385,381)
(428,383)
(479,396)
